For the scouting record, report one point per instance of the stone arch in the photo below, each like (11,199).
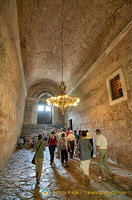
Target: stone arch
(42,86)
(45,86)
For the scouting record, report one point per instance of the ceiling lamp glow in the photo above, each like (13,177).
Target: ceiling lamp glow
(64,100)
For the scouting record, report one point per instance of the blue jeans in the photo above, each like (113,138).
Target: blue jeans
(51,150)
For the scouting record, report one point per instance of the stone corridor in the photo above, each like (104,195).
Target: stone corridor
(17,180)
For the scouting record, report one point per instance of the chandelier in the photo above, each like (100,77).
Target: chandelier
(63,101)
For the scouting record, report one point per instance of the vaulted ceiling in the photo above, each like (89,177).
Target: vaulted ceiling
(89,27)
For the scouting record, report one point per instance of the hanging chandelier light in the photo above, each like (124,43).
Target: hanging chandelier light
(63,101)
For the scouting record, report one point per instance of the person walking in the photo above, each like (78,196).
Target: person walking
(101,154)
(58,136)
(76,136)
(79,136)
(52,141)
(90,138)
(64,149)
(68,132)
(84,148)
(71,143)
(39,147)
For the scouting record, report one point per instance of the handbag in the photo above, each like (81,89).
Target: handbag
(33,160)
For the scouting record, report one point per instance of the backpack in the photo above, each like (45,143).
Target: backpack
(62,144)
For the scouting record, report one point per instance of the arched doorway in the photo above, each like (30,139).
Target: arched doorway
(44,111)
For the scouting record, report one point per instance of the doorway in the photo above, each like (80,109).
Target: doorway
(70,124)
(44,114)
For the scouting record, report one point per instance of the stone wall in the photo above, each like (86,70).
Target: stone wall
(12,82)
(30,116)
(94,110)
(58,117)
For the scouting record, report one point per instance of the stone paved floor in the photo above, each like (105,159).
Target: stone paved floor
(17,180)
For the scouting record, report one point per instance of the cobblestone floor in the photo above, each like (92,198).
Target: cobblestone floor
(17,180)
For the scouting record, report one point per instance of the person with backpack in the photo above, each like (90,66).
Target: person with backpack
(64,150)
(90,138)
(39,147)
(71,143)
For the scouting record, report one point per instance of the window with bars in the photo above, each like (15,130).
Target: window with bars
(116,87)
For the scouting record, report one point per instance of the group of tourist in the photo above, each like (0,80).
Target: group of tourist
(71,142)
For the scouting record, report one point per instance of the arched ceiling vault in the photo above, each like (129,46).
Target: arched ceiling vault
(89,28)
(43,86)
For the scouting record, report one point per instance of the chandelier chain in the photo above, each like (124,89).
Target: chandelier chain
(62,51)
(62,37)
(63,101)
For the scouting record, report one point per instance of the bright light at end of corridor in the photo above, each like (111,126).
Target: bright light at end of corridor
(40,108)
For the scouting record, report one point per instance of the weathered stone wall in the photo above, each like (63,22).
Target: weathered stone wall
(94,110)
(58,117)
(12,82)
(30,116)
